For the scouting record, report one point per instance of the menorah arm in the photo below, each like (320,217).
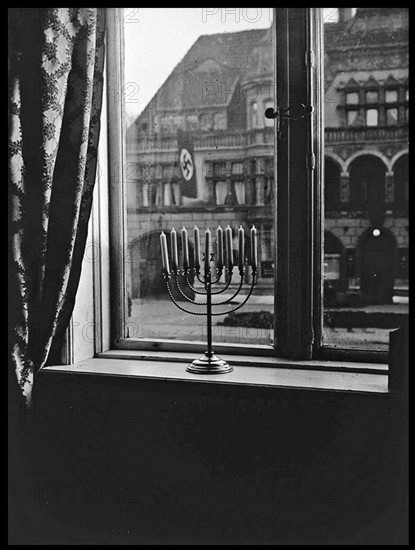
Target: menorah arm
(240,305)
(190,300)
(234,295)
(215,281)
(178,305)
(203,282)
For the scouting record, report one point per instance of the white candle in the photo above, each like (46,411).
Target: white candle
(174,252)
(241,249)
(207,250)
(164,253)
(219,247)
(254,252)
(197,246)
(229,251)
(185,246)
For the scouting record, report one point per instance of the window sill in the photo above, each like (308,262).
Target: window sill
(248,371)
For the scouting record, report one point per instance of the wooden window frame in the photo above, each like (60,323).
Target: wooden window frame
(298,221)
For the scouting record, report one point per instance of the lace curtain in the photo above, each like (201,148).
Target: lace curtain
(56,59)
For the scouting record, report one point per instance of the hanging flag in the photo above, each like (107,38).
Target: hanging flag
(188,183)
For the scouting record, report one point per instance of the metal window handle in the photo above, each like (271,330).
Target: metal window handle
(282,115)
(270,113)
(279,112)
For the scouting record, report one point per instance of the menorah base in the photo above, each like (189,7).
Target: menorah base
(209,365)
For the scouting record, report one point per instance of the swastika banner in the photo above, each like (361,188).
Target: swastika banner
(188,183)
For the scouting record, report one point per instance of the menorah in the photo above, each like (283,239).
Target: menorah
(209,363)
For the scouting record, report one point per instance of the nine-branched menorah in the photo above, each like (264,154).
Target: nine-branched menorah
(209,363)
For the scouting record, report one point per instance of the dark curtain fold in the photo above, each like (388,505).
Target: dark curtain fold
(56,60)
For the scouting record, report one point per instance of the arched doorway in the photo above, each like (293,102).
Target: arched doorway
(367,182)
(146,266)
(377,259)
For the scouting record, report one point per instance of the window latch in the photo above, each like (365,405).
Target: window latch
(282,115)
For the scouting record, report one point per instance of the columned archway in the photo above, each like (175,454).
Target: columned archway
(367,182)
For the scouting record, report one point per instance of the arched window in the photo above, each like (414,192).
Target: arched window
(367,182)
(331,184)
(401,177)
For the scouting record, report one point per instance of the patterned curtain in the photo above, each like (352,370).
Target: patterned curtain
(56,59)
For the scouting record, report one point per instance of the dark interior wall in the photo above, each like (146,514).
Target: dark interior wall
(121,461)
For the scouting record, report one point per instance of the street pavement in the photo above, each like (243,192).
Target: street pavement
(158,317)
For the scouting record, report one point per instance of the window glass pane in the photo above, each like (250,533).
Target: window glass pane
(240,191)
(406,95)
(219,169)
(206,121)
(352,98)
(391,117)
(219,121)
(237,168)
(221,190)
(372,117)
(166,124)
(371,97)
(254,115)
(391,96)
(192,123)
(365,237)
(352,117)
(186,66)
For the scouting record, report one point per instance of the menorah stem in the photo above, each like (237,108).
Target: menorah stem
(209,313)
(209,363)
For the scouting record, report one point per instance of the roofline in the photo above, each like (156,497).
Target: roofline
(187,53)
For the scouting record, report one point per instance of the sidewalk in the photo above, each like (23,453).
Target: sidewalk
(159,318)
(400,303)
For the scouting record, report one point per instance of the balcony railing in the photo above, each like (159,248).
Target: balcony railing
(265,136)
(355,135)
(225,140)
(262,136)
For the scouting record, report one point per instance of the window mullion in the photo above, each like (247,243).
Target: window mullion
(116,159)
(317,40)
(294,292)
